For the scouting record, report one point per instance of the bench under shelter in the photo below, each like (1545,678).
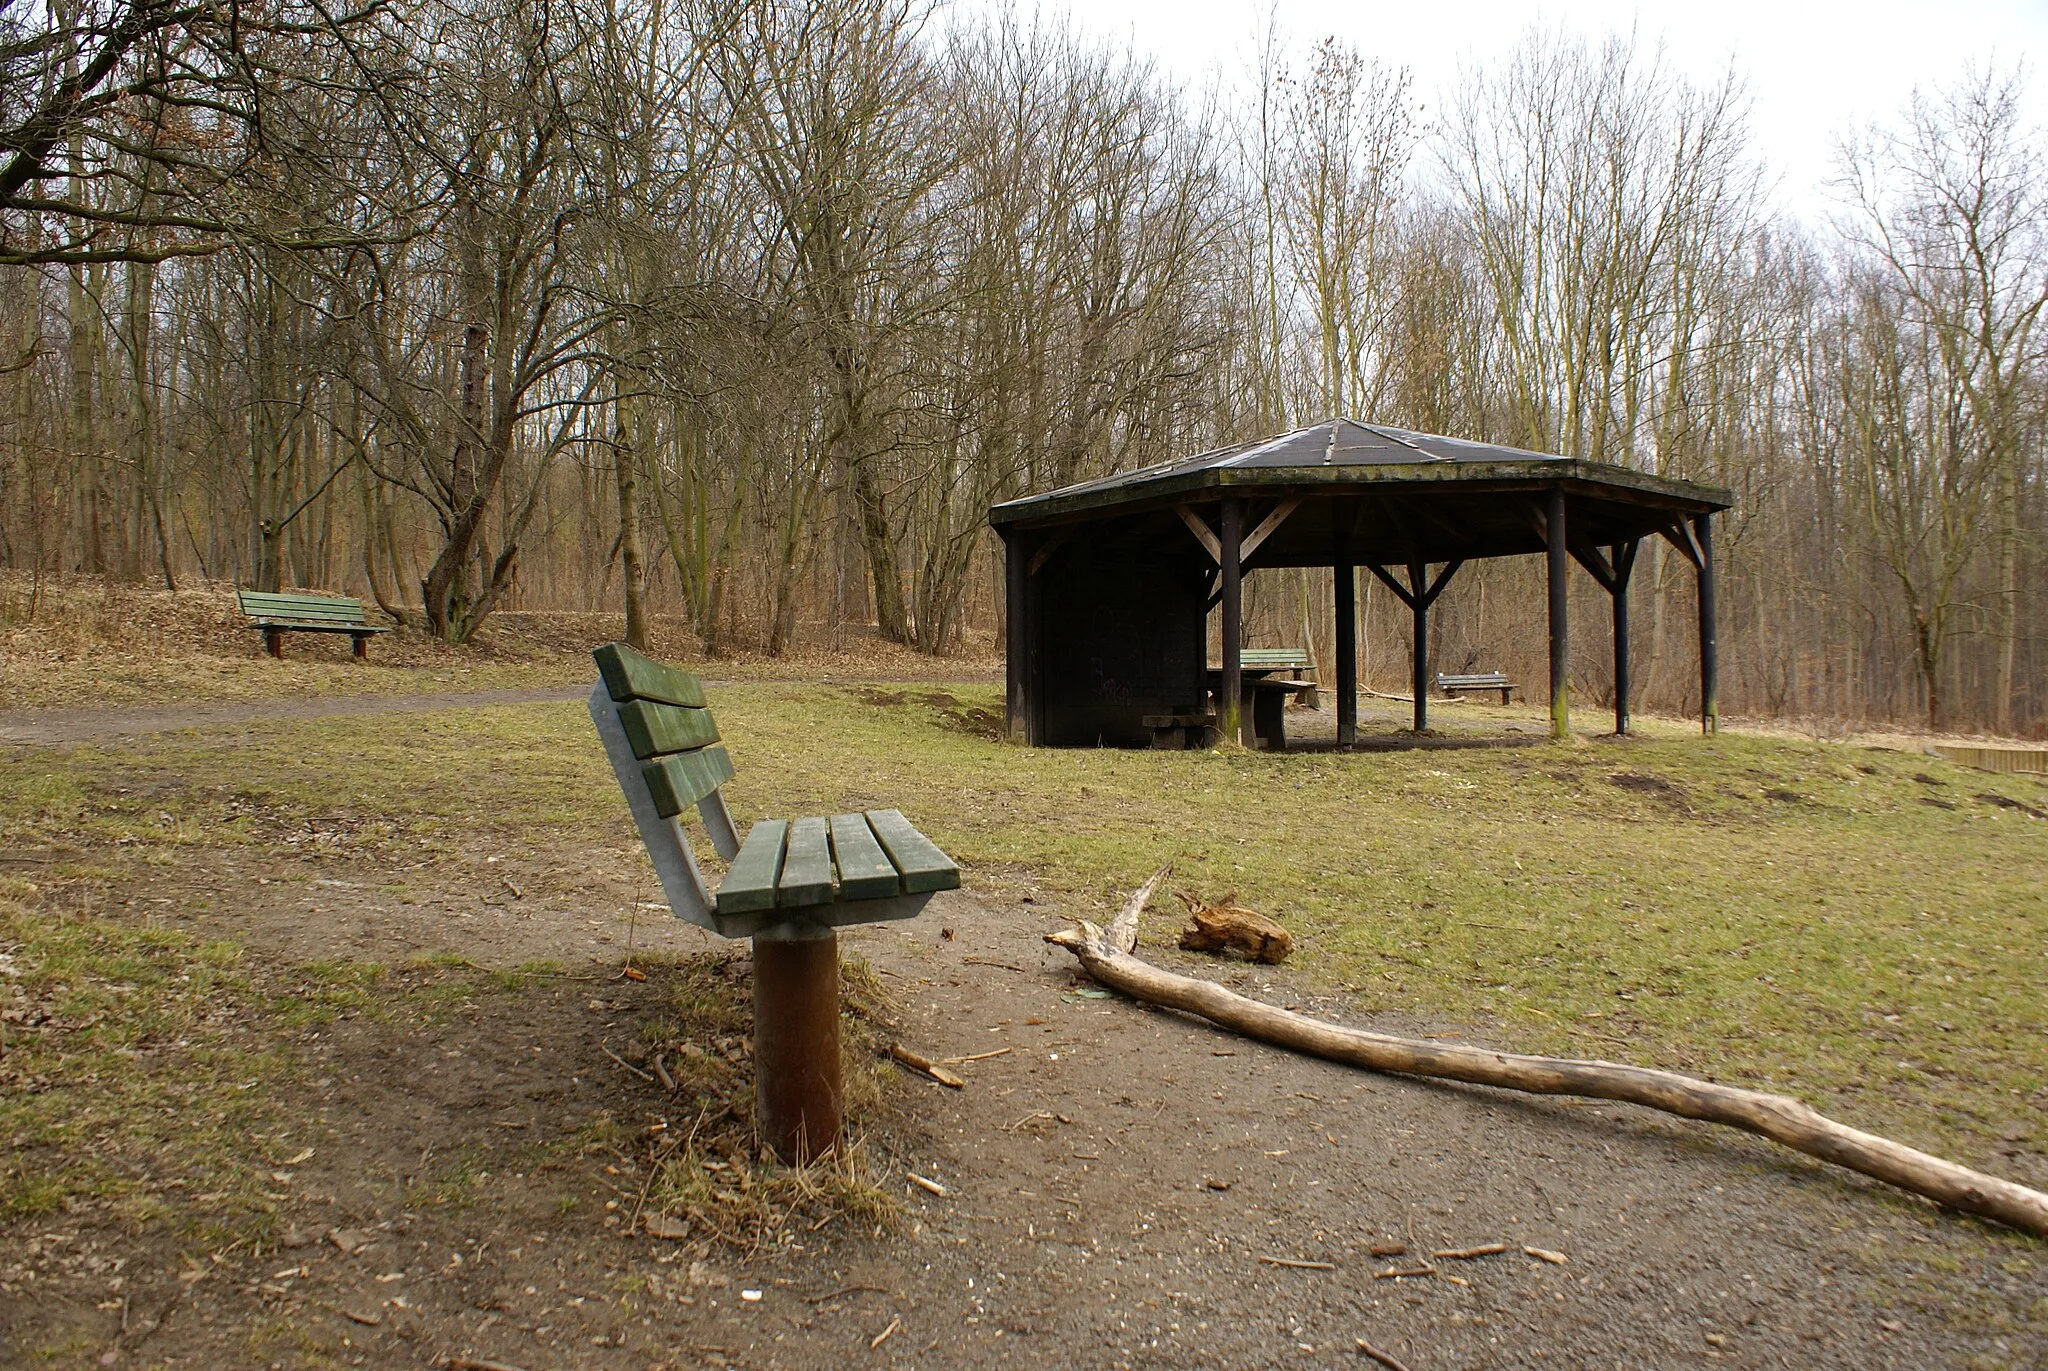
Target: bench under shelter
(1110,583)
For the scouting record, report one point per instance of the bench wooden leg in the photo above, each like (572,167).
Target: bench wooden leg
(1269,719)
(273,642)
(797,1089)
(359,647)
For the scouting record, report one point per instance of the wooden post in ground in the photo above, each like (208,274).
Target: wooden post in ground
(1710,656)
(1347,650)
(1624,563)
(1560,629)
(1017,640)
(1418,604)
(797,1088)
(1231,706)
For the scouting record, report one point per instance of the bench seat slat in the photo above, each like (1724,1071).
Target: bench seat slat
(924,867)
(806,866)
(750,884)
(680,779)
(653,728)
(865,871)
(629,675)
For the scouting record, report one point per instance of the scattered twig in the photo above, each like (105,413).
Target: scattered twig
(1292,1264)
(1006,966)
(473,1364)
(898,1052)
(668,1082)
(923,1184)
(847,1290)
(1395,1273)
(517,893)
(367,1320)
(1544,1254)
(883,1336)
(1465,1254)
(975,1057)
(623,1062)
(1386,1359)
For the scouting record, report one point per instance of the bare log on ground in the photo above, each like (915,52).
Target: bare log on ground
(1106,956)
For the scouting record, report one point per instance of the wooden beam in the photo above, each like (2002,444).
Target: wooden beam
(1679,535)
(1710,654)
(1267,528)
(1418,602)
(1200,528)
(1558,562)
(1622,564)
(1347,650)
(1231,706)
(1442,580)
(1047,548)
(1400,591)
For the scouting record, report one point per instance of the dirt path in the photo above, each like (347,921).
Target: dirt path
(1118,1183)
(61,727)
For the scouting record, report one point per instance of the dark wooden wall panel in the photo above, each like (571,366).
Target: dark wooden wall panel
(1120,629)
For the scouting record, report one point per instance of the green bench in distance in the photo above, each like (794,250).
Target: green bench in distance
(1475,681)
(789,885)
(276,615)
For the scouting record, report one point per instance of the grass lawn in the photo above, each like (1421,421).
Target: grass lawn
(1858,927)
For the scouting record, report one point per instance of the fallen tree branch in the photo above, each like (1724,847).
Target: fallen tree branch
(1106,956)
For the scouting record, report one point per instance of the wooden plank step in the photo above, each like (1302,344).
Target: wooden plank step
(865,871)
(630,675)
(806,866)
(750,884)
(680,779)
(654,729)
(924,867)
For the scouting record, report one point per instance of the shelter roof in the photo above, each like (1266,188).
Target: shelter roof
(1337,453)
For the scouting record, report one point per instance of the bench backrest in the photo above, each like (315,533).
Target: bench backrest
(312,609)
(664,749)
(1483,678)
(1272,656)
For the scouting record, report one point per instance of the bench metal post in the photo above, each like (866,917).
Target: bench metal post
(799,1098)
(1235,724)
(1560,632)
(1347,652)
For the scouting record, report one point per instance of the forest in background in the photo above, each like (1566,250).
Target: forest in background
(747,310)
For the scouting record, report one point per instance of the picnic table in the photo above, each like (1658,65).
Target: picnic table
(1267,690)
(790,884)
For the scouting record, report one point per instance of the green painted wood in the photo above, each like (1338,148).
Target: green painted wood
(1272,656)
(315,608)
(750,885)
(680,779)
(806,866)
(630,675)
(654,729)
(865,871)
(924,867)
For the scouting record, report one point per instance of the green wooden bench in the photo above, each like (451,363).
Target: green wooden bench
(790,883)
(276,615)
(1475,681)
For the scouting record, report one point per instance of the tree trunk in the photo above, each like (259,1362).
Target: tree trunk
(625,451)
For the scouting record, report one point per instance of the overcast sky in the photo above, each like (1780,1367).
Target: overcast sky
(1814,68)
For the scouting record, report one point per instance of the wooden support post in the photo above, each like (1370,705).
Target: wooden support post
(1017,641)
(1231,707)
(1347,651)
(1624,562)
(1560,630)
(797,1091)
(1418,603)
(273,642)
(1710,655)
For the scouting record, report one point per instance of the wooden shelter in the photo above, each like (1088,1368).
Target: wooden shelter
(1110,582)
